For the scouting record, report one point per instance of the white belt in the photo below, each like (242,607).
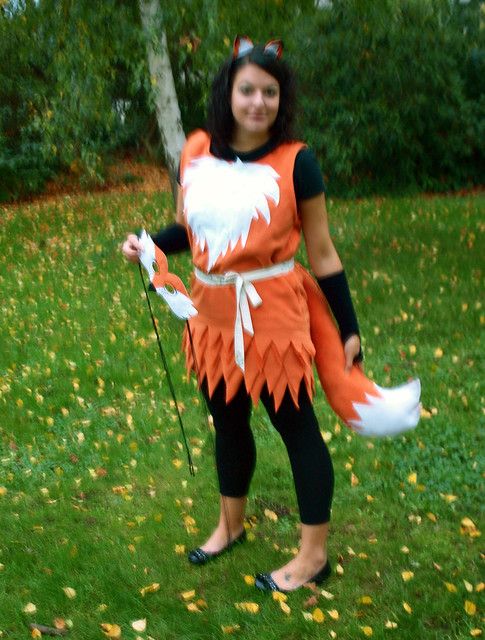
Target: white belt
(245,293)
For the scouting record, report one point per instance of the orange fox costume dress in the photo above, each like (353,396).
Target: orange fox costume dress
(243,217)
(261,318)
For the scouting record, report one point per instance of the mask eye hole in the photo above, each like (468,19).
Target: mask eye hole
(171,289)
(155,266)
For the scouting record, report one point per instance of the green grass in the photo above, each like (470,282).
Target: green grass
(90,497)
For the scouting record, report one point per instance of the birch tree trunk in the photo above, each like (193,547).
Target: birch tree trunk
(163,86)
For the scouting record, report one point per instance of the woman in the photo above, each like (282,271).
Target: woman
(248,190)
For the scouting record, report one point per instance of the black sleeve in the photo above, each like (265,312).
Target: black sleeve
(307,176)
(172,239)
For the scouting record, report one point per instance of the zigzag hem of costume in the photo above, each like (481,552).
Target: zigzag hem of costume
(281,365)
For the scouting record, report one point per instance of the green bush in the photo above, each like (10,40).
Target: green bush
(392,92)
(384,95)
(73,85)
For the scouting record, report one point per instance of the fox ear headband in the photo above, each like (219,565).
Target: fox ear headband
(244,45)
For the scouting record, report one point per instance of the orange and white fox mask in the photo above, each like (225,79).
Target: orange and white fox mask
(167,285)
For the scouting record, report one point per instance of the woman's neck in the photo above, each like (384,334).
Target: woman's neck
(247,142)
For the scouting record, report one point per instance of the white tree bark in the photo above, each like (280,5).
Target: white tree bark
(163,86)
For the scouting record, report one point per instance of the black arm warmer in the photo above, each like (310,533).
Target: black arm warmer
(172,239)
(336,290)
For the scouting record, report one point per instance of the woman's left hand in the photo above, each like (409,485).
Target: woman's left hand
(351,351)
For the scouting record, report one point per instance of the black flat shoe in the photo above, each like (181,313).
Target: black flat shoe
(265,582)
(199,556)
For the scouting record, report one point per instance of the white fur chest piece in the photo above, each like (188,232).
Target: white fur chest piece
(222,198)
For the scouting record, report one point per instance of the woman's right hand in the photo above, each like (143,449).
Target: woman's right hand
(131,248)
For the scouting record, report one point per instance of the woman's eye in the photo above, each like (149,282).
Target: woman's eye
(246,91)
(271,92)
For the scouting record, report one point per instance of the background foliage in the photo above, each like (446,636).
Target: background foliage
(392,92)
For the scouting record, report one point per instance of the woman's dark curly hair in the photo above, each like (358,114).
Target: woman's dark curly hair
(220,121)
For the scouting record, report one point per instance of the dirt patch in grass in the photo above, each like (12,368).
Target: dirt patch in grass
(125,175)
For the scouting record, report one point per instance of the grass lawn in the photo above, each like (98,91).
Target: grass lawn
(97,507)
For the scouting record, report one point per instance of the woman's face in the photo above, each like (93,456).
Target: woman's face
(255,99)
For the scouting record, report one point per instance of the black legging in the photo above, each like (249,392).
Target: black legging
(309,457)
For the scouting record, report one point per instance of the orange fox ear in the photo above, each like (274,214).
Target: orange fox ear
(274,47)
(241,46)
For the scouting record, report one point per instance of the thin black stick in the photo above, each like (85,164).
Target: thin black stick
(169,377)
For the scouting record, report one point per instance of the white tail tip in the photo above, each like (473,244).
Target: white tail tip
(390,412)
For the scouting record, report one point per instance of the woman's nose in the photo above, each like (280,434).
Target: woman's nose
(258,98)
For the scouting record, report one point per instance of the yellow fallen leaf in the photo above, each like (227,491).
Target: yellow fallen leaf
(139,625)
(3,491)
(334,614)
(469,528)
(59,623)
(271,515)
(307,615)
(468,523)
(405,549)
(432,517)
(332,634)
(35,633)
(354,480)
(248,607)
(187,595)
(367,631)
(29,608)
(475,633)
(279,597)
(70,592)
(407,607)
(102,607)
(468,586)
(413,477)
(177,463)
(480,587)
(179,549)
(451,587)
(111,630)
(249,580)
(389,624)
(192,607)
(365,600)
(152,588)
(327,594)
(339,570)
(230,628)
(201,603)
(318,615)
(285,608)
(407,575)
(470,607)
(438,353)
(448,497)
